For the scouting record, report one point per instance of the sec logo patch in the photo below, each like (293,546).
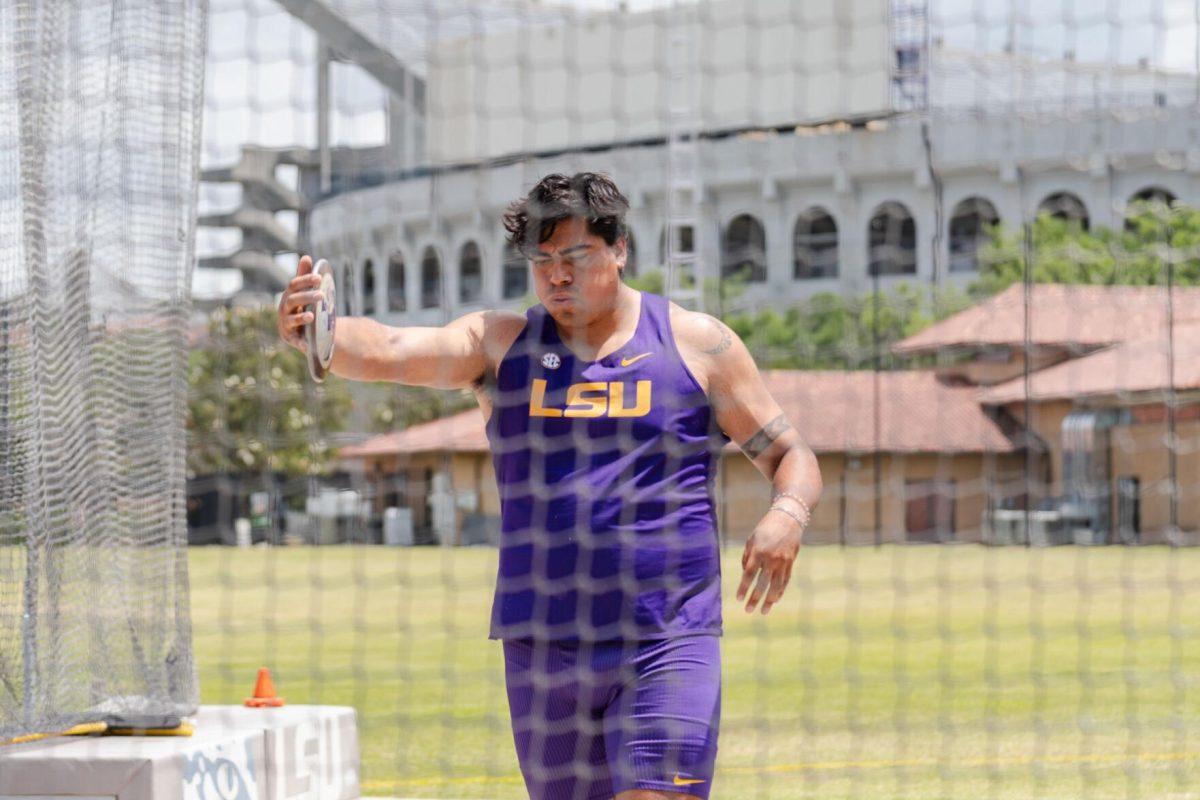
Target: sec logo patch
(551,361)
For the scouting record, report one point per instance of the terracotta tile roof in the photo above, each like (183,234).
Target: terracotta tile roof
(1137,365)
(1060,314)
(833,411)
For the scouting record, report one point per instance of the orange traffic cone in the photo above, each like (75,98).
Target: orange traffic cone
(264,691)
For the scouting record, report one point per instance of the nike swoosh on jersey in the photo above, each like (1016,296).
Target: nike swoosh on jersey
(685,781)
(625,362)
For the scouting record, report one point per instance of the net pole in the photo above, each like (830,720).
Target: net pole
(33,50)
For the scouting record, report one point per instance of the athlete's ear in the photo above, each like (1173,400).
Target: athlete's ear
(621,247)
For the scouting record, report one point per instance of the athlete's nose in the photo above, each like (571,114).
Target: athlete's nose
(559,275)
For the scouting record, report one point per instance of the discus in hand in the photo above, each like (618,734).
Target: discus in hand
(319,332)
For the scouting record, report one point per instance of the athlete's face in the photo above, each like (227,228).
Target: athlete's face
(576,274)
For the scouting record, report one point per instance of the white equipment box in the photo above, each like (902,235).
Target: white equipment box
(236,753)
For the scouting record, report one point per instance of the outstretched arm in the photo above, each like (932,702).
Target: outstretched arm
(746,412)
(450,357)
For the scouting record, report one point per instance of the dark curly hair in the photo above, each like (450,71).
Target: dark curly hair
(592,196)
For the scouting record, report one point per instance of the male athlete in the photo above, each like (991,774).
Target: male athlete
(606,411)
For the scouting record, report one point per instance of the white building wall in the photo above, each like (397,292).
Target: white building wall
(603,77)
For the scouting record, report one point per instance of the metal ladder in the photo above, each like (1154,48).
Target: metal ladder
(684,282)
(910,54)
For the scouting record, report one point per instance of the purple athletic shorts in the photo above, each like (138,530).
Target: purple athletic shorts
(591,719)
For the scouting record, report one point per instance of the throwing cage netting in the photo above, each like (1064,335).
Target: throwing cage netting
(957,236)
(99,147)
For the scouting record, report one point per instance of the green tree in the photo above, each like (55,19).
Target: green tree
(718,294)
(1155,236)
(394,406)
(832,331)
(828,331)
(252,406)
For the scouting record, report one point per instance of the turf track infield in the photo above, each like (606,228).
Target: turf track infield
(921,671)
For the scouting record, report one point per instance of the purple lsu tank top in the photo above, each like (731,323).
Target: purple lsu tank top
(605,470)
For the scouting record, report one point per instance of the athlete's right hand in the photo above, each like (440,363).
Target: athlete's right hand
(293,314)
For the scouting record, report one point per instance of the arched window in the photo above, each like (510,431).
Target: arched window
(368,287)
(744,249)
(344,287)
(631,265)
(1154,194)
(431,279)
(1067,206)
(892,241)
(815,245)
(685,243)
(470,274)
(515,273)
(1150,197)
(969,225)
(397,301)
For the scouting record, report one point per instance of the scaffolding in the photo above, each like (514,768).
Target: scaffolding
(910,47)
(684,283)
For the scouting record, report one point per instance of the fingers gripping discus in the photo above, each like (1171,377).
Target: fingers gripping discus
(319,332)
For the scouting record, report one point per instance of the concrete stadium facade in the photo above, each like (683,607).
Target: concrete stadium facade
(757,188)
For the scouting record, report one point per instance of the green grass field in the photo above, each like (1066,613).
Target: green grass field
(903,672)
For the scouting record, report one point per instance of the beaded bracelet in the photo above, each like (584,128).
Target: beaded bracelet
(803,505)
(792,514)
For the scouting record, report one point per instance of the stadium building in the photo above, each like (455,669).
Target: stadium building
(837,147)
(807,146)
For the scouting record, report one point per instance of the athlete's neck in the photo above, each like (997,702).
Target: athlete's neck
(619,321)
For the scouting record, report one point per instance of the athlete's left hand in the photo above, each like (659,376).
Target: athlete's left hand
(767,560)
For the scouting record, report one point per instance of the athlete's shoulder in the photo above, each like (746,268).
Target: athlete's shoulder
(700,333)
(502,322)
(491,323)
(710,348)
(497,329)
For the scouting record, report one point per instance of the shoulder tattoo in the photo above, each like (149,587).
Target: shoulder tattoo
(726,339)
(757,444)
